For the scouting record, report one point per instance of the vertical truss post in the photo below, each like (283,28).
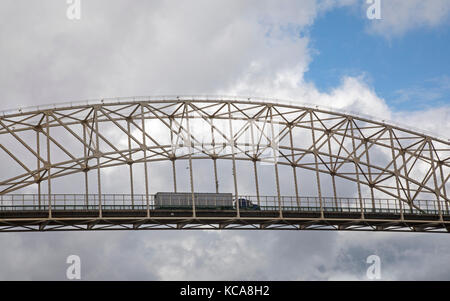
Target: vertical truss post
(443,187)
(275,161)
(130,161)
(216,180)
(173,158)
(98,155)
(144,149)
(86,167)
(369,170)
(405,170)
(396,172)
(436,187)
(214,157)
(38,151)
(294,169)
(333,171)
(316,163)
(255,172)
(174,175)
(48,167)
(255,159)
(333,182)
(233,156)
(191,174)
(356,162)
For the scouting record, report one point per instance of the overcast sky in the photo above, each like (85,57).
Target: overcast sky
(324,52)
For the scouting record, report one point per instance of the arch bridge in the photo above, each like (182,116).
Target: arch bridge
(99,165)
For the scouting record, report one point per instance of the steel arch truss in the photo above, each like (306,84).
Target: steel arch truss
(381,160)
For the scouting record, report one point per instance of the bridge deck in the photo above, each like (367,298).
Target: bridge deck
(120,217)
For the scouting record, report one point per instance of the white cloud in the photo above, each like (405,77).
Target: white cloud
(224,255)
(162,47)
(431,121)
(402,16)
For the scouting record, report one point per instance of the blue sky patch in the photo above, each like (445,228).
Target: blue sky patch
(410,72)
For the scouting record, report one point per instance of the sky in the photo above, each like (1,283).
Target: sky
(394,65)
(313,51)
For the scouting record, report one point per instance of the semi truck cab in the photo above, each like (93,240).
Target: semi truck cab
(247,204)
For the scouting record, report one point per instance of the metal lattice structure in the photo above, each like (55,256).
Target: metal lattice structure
(399,177)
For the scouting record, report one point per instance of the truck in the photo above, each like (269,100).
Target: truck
(247,204)
(203,200)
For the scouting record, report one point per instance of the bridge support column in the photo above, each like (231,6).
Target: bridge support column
(316,163)
(48,167)
(255,172)
(333,172)
(130,163)
(408,189)
(443,187)
(396,172)
(232,142)
(191,174)
(356,162)
(273,144)
(86,167)
(98,155)
(255,159)
(436,187)
(293,164)
(369,171)
(172,143)
(144,149)
(214,159)
(38,151)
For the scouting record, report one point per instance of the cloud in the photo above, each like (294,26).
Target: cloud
(421,120)
(399,17)
(162,47)
(224,255)
(428,94)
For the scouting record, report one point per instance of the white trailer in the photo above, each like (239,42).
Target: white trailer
(183,200)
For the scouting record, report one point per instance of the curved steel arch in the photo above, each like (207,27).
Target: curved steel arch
(382,160)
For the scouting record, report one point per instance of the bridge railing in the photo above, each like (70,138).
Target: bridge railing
(364,205)
(30,202)
(73,201)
